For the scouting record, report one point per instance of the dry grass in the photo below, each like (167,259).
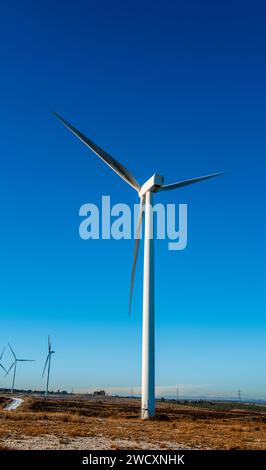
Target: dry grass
(4,401)
(118,419)
(3,447)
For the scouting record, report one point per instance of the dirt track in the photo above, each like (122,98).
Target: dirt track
(14,404)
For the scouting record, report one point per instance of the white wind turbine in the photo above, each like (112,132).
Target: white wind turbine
(14,364)
(48,361)
(145,192)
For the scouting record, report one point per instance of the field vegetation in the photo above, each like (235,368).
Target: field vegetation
(114,423)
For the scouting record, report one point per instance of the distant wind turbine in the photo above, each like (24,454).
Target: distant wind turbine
(14,364)
(145,192)
(1,365)
(48,361)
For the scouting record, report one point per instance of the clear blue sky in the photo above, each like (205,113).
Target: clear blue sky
(174,87)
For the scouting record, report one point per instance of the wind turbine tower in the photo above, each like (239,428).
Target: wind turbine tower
(48,361)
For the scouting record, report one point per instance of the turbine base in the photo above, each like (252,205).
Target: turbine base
(145,413)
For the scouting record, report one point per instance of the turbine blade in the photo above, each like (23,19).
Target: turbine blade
(125,174)
(136,251)
(25,360)
(12,365)
(180,184)
(49,344)
(46,362)
(12,351)
(3,367)
(2,353)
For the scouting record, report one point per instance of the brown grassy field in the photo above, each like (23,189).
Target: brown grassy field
(4,400)
(113,423)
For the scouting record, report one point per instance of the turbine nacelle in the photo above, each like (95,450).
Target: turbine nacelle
(153,184)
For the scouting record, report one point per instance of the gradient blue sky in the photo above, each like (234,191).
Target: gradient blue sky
(174,87)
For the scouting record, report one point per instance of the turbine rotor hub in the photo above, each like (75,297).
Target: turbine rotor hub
(152,184)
